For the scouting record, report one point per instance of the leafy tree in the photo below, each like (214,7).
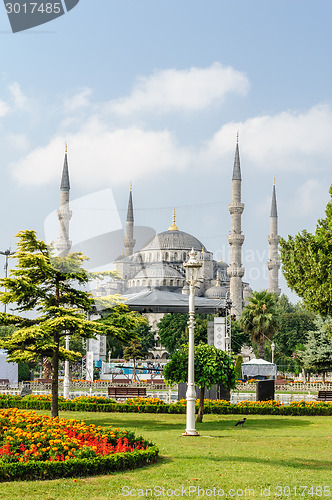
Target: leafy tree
(135,351)
(237,368)
(124,326)
(259,318)
(173,330)
(316,355)
(212,366)
(48,286)
(145,336)
(306,260)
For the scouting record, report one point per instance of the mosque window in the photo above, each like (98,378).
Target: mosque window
(166,256)
(171,283)
(175,256)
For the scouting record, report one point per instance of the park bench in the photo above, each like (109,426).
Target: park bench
(126,392)
(324,396)
(44,380)
(280,382)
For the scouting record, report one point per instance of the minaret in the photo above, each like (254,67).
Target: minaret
(235,271)
(129,241)
(273,239)
(63,243)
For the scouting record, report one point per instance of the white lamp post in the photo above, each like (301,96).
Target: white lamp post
(192,268)
(66,381)
(272,350)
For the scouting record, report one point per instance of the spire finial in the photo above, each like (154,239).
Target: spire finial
(218,283)
(274,181)
(131,186)
(173,227)
(237,137)
(66,149)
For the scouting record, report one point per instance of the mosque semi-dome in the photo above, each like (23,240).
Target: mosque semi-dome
(216,292)
(158,271)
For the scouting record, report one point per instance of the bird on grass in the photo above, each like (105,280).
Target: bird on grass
(240,422)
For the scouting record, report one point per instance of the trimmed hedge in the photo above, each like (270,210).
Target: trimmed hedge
(78,467)
(146,405)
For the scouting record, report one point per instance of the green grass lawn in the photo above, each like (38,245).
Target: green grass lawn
(267,452)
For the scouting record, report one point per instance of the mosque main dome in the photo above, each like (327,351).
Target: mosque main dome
(173,240)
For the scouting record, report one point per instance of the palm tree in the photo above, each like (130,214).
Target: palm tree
(259,318)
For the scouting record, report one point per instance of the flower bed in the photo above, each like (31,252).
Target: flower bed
(155,405)
(36,446)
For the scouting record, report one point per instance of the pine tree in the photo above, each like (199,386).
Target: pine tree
(51,288)
(316,357)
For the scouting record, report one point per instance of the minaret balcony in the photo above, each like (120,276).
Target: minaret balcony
(234,271)
(236,208)
(273,264)
(273,239)
(236,239)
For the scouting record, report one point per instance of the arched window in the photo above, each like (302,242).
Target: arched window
(175,256)
(171,283)
(166,256)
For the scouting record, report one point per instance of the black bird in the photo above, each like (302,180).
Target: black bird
(240,422)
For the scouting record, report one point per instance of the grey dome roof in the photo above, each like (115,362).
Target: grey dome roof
(174,240)
(158,271)
(216,292)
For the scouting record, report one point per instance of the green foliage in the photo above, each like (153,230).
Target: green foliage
(237,368)
(121,323)
(138,405)
(306,260)
(316,355)
(145,336)
(23,372)
(173,330)
(212,366)
(259,318)
(51,287)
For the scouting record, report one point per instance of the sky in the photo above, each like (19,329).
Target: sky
(154,92)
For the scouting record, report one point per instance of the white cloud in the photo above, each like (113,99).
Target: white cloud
(19,142)
(4,108)
(99,156)
(308,199)
(288,141)
(20,100)
(172,90)
(78,101)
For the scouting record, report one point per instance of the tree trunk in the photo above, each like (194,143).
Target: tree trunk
(47,368)
(134,371)
(261,347)
(55,382)
(201,406)
(324,375)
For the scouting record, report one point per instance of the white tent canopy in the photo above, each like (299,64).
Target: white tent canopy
(8,370)
(259,367)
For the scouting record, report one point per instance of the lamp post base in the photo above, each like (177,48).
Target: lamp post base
(190,433)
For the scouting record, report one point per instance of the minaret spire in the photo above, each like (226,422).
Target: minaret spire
(235,271)
(129,241)
(63,243)
(273,239)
